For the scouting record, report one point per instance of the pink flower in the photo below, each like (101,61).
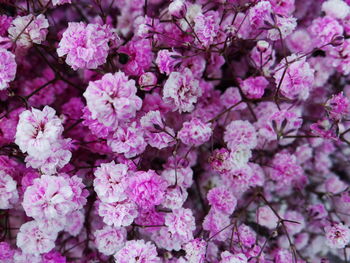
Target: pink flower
(195,132)
(285,169)
(137,251)
(174,197)
(34,240)
(206,27)
(109,182)
(221,199)
(8,68)
(119,213)
(86,46)
(37,131)
(217,224)
(177,8)
(147,189)
(26,30)
(139,54)
(260,13)
(337,236)
(323,29)
(112,99)
(57,157)
(49,197)
(240,135)
(6,252)
(181,222)
(167,60)
(157,134)
(283,7)
(337,9)
(147,81)
(266,217)
(227,257)
(338,106)
(196,250)
(56,2)
(53,257)
(128,139)
(254,87)
(298,79)
(182,90)
(110,240)
(8,191)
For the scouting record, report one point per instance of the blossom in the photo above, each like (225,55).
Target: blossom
(323,29)
(128,139)
(195,132)
(182,90)
(28,30)
(181,222)
(112,99)
(57,157)
(109,182)
(8,191)
(86,46)
(147,189)
(254,88)
(37,131)
(34,240)
(119,213)
(298,78)
(240,134)
(227,257)
(337,236)
(110,240)
(6,252)
(338,106)
(206,27)
(196,250)
(221,199)
(266,217)
(8,68)
(285,168)
(157,134)
(49,197)
(139,56)
(167,60)
(336,8)
(137,251)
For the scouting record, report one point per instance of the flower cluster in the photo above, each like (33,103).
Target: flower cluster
(175,131)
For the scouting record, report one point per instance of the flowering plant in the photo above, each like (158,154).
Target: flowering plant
(175,131)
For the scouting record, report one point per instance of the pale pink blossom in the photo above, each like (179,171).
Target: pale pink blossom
(112,99)
(298,78)
(240,134)
(28,30)
(35,240)
(8,68)
(49,197)
(86,46)
(37,131)
(337,236)
(182,91)
(119,213)
(8,191)
(128,139)
(109,240)
(181,222)
(109,182)
(137,251)
(195,132)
